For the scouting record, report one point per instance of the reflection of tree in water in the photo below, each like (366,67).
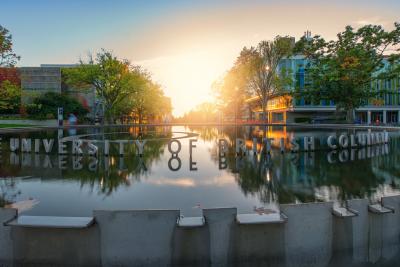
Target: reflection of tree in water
(256,177)
(93,171)
(353,179)
(8,191)
(228,132)
(206,133)
(298,177)
(388,168)
(109,173)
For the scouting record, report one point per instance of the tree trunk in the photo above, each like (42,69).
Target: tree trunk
(110,119)
(140,117)
(337,113)
(264,111)
(350,115)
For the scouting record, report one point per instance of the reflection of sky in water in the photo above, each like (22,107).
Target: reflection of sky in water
(252,181)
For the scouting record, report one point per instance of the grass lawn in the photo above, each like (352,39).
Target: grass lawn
(13,125)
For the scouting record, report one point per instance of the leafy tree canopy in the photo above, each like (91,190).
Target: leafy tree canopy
(10,97)
(343,70)
(7,56)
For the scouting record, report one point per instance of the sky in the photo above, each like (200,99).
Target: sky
(185,45)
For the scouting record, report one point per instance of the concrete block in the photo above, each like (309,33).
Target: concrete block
(391,228)
(56,247)
(375,237)
(221,224)
(137,237)
(359,229)
(259,245)
(350,235)
(6,247)
(191,247)
(308,234)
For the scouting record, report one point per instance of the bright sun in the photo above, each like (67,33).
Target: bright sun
(187,77)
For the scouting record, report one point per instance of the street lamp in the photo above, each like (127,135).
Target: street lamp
(265,115)
(236,103)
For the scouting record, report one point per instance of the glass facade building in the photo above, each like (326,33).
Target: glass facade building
(384,108)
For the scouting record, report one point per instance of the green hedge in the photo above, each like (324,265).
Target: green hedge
(46,106)
(302,120)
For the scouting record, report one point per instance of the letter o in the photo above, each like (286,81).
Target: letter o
(343,141)
(344,156)
(170,146)
(329,141)
(170,163)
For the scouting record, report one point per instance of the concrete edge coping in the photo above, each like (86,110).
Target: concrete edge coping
(190,222)
(380,209)
(344,212)
(50,222)
(256,218)
(340,126)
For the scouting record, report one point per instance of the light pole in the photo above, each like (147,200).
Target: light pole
(266,117)
(236,103)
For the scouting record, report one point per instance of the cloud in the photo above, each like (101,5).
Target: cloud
(373,21)
(180,182)
(221,180)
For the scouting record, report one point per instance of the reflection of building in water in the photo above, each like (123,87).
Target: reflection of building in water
(316,176)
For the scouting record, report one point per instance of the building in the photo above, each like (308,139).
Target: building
(48,78)
(36,81)
(385,109)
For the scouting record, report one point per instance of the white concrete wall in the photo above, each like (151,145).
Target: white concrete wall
(312,236)
(6,245)
(308,234)
(140,238)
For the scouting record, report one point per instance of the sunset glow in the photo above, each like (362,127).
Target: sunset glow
(187,46)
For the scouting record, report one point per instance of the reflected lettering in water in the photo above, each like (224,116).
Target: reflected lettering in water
(195,171)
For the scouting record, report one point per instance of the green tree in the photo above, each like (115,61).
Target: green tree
(344,69)
(203,113)
(260,67)
(148,100)
(110,77)
(7,56)
(10,97)
(231,91)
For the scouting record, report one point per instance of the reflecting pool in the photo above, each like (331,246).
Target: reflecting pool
(194,171)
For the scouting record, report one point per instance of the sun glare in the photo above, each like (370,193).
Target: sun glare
(187,76)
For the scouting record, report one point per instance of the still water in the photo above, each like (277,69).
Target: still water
(193,173)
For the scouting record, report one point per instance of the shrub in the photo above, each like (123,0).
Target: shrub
(46,106)
(302,120)
(10,97)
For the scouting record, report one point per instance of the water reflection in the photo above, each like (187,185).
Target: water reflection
(336,175)
(200,173)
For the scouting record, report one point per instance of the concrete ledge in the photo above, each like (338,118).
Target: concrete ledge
(190,222)
(343,212)
(379,209)
(255,218)
(50,222)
